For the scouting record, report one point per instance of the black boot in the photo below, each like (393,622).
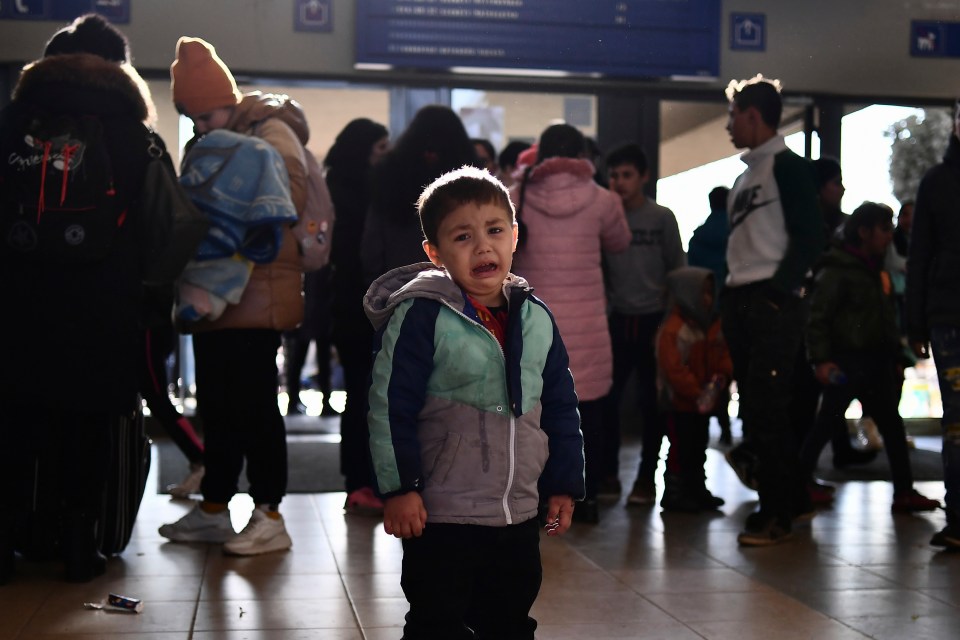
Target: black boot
(676,498)
(82,558)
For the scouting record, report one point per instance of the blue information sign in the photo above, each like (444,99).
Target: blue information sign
(116,11)
(748,31)
(629,38)
(934,39)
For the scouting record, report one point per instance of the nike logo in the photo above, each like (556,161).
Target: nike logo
(745,204)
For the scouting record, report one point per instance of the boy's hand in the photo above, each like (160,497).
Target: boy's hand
(404,516)
(559,514)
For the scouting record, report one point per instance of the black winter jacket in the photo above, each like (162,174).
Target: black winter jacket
(933,264)
(70,336)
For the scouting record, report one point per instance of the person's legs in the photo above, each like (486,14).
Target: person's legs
(438,576)
(158,344)
(654,428)
(683,480)
(355,465)
(217,354)
(763,341)
(833,405)
(507,584)
(296,343)
(266,442)
(83,462)
(946,354)
(879,397)
(621,343)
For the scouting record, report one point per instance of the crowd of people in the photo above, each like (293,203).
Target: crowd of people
(488,312)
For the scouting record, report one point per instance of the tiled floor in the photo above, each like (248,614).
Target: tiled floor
(855,572)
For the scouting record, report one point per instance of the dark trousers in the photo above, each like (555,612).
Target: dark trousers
(689,434)
(158,345)
(764,341)
(355,349)
(632,339)
(591,424)
(872,380)
(237,401)
(470,581)
(945,341)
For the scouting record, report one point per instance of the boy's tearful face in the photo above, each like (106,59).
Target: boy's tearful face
(475,244)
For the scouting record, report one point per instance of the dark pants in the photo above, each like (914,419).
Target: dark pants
(237,401)
(764,341)
(946,354)
(158,345)
(462,580)
(872,380)
(591,424)
(632,338)
(355,349)
(689,434)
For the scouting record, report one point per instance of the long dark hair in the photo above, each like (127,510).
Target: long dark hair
(556,141)
(434,143)
(348,160)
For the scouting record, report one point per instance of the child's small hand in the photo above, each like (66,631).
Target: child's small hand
(404,516)
(559,514)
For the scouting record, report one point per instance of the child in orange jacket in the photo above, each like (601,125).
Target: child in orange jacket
(693,367)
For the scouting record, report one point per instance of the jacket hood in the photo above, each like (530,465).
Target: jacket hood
(421,280)
(845,256)
(88,82)
(560,187)
(685,287)
(256,107)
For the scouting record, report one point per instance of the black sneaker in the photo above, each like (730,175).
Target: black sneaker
(679,502)
(763,530)
(744,463)
(948,537)
(708,501)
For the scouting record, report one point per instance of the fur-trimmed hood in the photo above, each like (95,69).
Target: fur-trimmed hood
(88,82)
(561,187)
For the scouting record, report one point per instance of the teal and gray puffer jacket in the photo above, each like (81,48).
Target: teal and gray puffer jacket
(472,427)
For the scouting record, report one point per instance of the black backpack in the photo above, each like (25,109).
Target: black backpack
(58,203)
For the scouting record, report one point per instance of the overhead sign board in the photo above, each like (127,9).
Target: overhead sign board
(116,11)
(934,39)
(627,38)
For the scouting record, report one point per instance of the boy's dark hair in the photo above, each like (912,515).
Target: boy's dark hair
(718,198)
(866,216)
(560,140)
(827,168)
(508,157)
(454,189)
(760,93)
(628,154)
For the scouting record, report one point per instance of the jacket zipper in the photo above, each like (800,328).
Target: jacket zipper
(512,469)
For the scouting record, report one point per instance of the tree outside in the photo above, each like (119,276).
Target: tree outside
(918,143)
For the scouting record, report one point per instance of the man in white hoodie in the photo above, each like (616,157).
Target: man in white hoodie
(775,236)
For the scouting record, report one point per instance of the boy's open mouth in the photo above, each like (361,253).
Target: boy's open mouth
(485,268)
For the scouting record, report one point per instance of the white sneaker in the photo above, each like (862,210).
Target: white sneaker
(189,485)
(200,526)
(262,534)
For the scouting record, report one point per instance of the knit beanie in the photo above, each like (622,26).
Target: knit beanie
(93,34)
(199,80)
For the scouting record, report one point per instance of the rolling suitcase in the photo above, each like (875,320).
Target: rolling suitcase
(39,530)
